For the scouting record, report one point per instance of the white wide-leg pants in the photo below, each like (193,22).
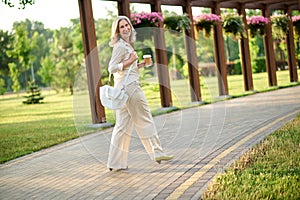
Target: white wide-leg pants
(136,114)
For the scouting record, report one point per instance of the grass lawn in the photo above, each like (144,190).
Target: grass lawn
(270,170)
(28,128)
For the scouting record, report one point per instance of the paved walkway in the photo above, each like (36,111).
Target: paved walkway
(204,141)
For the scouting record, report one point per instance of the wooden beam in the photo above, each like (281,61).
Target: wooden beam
(206,4)
(91,60)
(245,54)
(173,2)
(269,51)
(220,54)
(291,50)
(162,60)
(190,46)
(124,8)
(249,4)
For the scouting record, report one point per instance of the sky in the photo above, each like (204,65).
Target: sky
(57,13)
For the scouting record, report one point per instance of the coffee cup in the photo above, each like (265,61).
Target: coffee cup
(148,60)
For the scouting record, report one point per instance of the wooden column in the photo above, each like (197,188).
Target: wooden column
(291,50)
(245,54)
(190,46)
(269,51)
(220,54)
(124,8)
(91,60)
(162,60)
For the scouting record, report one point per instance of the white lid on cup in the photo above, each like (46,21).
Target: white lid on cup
(146,56)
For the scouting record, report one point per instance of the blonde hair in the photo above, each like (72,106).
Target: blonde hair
(115,35)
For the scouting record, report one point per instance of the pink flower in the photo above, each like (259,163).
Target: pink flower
(295,18)
(152,18)
(207,17)
(260,20)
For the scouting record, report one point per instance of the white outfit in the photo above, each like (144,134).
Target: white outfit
(136,113)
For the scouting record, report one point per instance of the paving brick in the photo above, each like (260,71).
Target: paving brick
(198,137)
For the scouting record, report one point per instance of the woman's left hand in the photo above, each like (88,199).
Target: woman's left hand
(141,64)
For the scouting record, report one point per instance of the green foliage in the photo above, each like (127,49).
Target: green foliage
(21,49)
(14,74)
(296,24)
(5,46)
(257,29)
(46,71)
(232,47)
(280,24)
(103,31)
(260,65)
(146,72)
(67,53)
(233,25)
(34,94)
(25,47)
(205,50)
(237,67)
(22,3)
(185,70)
(2,88)
(254,50)
(178,23)
(206,22)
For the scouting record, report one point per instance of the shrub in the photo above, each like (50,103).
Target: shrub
(2,86)
(237,67)
(260,65)
(34,94)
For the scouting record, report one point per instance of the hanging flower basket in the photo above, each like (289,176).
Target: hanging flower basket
(296,23)
(177,23)
(205,22)
(257,25)
(233,25)
(280,25)
(142,21)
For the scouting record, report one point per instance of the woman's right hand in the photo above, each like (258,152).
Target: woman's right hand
(133,56)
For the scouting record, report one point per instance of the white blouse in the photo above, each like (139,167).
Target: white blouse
(121,52)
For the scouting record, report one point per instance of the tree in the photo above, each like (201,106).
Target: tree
(66,52)
(5,46)
(34,94)
(14,74)
(21,49)
(2,86)
(5,41)
(28,44)
(46,71)
(22,3)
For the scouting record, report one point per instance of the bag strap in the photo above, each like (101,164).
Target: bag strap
(125,78)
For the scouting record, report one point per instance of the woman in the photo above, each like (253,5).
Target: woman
(136,113)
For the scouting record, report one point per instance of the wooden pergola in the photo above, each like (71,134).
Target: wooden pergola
(92,60)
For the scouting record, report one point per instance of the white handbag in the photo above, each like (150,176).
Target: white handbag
(112,97)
